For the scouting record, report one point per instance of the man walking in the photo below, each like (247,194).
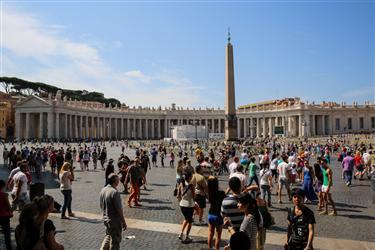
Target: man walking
(114,221)
(326,188)
(348,165)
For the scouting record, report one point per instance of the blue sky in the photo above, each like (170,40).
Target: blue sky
(155,53)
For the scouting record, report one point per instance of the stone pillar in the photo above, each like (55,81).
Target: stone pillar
(133,130)
(324,125)
(27,129)
(50,125)
(41,125)
(116,128)
(258,127)
(264,127)
(283,122)
(165,134)
(65,125)
(300,126)
(153,128)
(238,128)
(122,128)
(146,129)
(290,134)
(128,128)
(251,128)
(18,125)
(159,128)
(57,126)
(270,132)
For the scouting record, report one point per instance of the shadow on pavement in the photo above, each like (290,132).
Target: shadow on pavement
(155,201)
(340,204)
(159,185)
(358,216)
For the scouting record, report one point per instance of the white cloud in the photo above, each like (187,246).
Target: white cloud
(75,65)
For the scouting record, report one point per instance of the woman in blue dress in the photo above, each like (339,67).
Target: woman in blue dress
(308,180)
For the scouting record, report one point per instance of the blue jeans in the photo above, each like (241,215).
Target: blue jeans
(265,189)
(348,176)
(253,178)
(67,201)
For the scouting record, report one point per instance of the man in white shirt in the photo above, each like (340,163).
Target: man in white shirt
(240,175)
(233,166)
(19,193)
(265,176)
(366,157)
(284,176)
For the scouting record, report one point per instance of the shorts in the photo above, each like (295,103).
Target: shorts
(324,189)
(188,213)
(201,200)
(215,220)
(284,182)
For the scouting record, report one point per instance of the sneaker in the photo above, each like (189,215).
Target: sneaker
(71,215)
(333,213)
(187,240)
(323,213)
(138,205)
(181,236)
(64,217)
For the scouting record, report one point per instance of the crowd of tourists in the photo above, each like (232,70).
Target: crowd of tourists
(255,171)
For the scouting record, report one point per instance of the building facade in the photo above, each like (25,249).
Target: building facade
(7,115)
(60,118)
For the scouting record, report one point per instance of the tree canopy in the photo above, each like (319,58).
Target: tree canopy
(16,86)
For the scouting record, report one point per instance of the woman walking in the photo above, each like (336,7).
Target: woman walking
(186,193)
(308,179)
(318,184)
(215,221)
(66,177)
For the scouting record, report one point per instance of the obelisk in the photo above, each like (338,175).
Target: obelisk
(230,102)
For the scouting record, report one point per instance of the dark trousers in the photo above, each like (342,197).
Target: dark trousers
(254,178)
(67,201)
(5,225)
(265,189)
(348,176)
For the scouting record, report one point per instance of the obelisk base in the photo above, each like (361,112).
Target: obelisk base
(231,129)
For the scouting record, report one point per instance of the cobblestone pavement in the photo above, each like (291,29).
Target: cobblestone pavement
(355,221)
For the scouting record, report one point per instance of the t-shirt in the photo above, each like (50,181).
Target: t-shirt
(199,182)
(232,167)
(20,176)
(110,202)
(274,164)
(253,169)
(300,225)
(229,209)
(264,175)
(187,199)
(240,176)
(65,182)
(249,226)
(283,168)
(366,158)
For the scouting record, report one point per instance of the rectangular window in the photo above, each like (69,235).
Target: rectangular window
(337,123)
(372,122)
(349,123)
(361,123)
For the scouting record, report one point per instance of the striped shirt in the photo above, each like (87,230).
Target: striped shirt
(229,209)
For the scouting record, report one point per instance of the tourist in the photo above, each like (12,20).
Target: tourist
(162,155)
(253,172)
(326,188)
(136,180)
(251,221)
(215,220)
(200,184)
(123,171)
(27,233)
(318,184)
(266,183)
(301,223)
(145,164)
(86,160)
(308,179)
(66,177)
(229,206)
(233,166)
(186,194)
(358,164)
(273,166)
(154,154)
(59,160)
(45,205)
(348,167)
(110,169)
(103,157)
(171,162)
(53,162)
(5,215)
(94,156)
(366,158)
(20,193)
(5,157)
(240,175)
(284,176)
(113,216)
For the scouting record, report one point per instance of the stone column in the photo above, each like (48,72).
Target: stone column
(27,129)
(165,128)
(324,125)
(290,134)
(300,127)
(264,127)
(251,128)
(270,127)
(57,126)
(41,125)
(219,125)
(18,125)
(146,129)
(116,128)
(122,128)
(70,129)
(159,128)
(66,125)
(128,135)
(153,128)
(50,125)
(238,127)
(258,127)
